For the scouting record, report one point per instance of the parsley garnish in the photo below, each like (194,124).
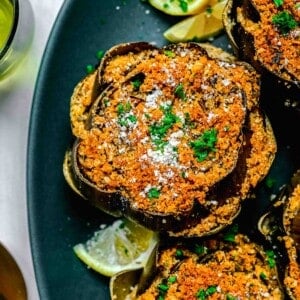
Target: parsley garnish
(263,276)
(100,54)
(200,249)
(159,130)
(278,2)
(132,118)
(169,53)
(136,84)
(230,297)
(172,279)
(284,21)
(179,91)
(204,144)
(230,234)
(122,109)
(202,293)
(187,120)
(153,193)
(89,69)
(271,258)
(106,102)
(179,254)
(163,287)
(124,117)
(183,5)
(270,182)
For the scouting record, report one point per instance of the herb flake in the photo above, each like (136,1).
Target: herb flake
(271,258)
(284,21)
(205,144)
(153,193)
(278,2)
(179,91)
(202,294)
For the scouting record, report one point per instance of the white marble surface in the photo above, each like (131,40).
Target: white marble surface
(16,94)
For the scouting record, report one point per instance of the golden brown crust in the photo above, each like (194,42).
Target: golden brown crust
(238,269)
(273,49)
(166,128)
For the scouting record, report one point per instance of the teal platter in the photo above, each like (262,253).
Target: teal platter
(58,219)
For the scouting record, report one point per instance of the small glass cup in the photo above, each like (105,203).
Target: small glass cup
(16,33)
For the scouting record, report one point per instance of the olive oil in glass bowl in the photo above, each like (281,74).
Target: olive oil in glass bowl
(16,33)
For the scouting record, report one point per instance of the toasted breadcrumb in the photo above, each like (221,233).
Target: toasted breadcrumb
(239,271)
(277,51)
(128,157)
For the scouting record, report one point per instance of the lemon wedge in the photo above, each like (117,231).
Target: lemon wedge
(179,7)
(123,245)
(200,27)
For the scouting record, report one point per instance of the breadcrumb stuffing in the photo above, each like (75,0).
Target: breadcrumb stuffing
(175,132)
(277,51)
(236,270)
(146,133)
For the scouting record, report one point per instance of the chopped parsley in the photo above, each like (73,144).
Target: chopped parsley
(200,249)
(270,182)
(263,276)
(100,54)
(179,91)
(278,2)
(125,117)
(179,254)
(123,108)
(89,69)
(230,297)
(164,286)
(183,174)
(106,102)
(136,84)
(183,5)
(271,258)
(187,121)
(205,144)
(159,130)
(153,193)
(230,234)
(284,21)
(202,294)
(172,279)
(132,118)
(169,53)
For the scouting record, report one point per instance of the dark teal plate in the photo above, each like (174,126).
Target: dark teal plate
(57,218)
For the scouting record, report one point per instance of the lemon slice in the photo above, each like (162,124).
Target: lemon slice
(179,7)
(123,245)
(200,27)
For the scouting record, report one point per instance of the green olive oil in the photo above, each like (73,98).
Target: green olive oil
(6,21)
